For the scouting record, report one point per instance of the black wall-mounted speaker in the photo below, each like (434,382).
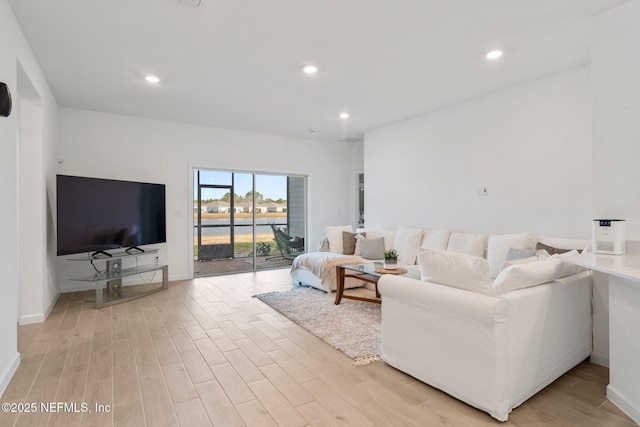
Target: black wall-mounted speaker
(5,100)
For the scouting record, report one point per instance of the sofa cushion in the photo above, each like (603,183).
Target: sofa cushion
(372,248)
(499,245)
(435,239)
(388,235)
(406,243)
(455,269)
(334,234)
(467,243)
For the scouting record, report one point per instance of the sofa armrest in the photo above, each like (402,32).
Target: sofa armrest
(445,300)
(452,339)
(549,332)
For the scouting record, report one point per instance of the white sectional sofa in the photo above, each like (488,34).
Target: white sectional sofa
(488,330)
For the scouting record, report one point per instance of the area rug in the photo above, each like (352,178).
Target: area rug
(352,327)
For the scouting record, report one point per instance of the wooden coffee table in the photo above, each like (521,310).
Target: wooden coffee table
(364,272)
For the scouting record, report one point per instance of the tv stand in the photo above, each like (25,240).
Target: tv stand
(134,250)
(101,254)
(108,283)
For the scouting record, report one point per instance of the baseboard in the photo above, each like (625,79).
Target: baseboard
(40,317)
(599,360)
(32,318)
(8,373)
(621,402)
(53,303)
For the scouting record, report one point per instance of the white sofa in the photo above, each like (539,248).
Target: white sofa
(492,345)
(318,269)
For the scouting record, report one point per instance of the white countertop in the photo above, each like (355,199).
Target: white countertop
(627,265)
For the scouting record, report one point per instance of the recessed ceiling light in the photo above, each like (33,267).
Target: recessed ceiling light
(310,69)
(494,54)
(152,79)
(344,115)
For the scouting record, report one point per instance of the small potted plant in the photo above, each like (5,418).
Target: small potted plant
(391,259)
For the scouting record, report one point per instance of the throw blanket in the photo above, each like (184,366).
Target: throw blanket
(323,265)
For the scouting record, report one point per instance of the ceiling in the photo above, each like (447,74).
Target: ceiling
(237,63)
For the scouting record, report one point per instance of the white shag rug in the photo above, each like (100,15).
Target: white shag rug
(352,327)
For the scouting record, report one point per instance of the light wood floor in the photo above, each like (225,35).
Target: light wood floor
(205,353)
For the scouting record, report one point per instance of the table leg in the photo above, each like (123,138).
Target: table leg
(99,301)
(340,283)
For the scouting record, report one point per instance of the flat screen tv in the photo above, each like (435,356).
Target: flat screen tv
(95,215)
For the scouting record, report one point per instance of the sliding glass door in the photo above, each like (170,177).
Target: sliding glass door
(247,221)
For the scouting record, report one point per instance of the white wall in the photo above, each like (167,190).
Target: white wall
(14,50)
(129,148)
(616,115)
(615,59)
(529,144)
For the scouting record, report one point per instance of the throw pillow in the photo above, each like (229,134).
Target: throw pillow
(526,275)
(349,242)
(466,243)
(499,245)
(528,256)
(372,248)
(358,249)
(406,243)
(550,249)
(569,269)
(556,242)
(334,234)
(435,239)
(513,254)
(455,269)
(509,263)
(389,237)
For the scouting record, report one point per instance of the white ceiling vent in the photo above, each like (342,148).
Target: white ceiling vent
(350,140)
(192,3)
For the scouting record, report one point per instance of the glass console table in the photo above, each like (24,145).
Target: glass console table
(108,282)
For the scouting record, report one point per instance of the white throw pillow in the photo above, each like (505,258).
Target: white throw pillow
(435,239)
(569,269)
(499,245)
(537,256)
(406,243)
(334,234)
(511,262)
(359,237)
(388,235)
(467,243)
(454,269)
(526,275)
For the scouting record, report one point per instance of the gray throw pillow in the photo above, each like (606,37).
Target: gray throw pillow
(372,248)
(514,254)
